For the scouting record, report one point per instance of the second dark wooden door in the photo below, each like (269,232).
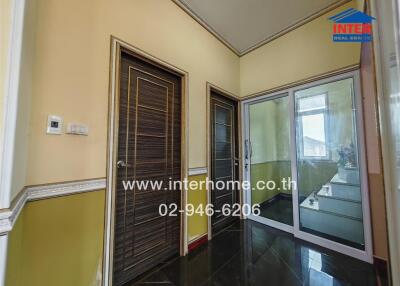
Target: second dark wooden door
(224,157)
(149,139)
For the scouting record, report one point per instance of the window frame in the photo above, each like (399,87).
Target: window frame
(325,112)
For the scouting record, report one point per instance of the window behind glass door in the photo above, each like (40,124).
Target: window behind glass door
(312,115)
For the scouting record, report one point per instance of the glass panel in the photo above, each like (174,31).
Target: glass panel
(223,150)
(270,165)
(222,115)
(328,177)
(223,168)
(222,133)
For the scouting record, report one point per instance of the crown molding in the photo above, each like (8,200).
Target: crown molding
(332,73)
(276,35)
(8,217)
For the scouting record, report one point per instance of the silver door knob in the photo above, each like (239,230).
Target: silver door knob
(122,164)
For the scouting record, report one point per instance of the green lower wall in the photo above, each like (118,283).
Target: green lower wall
(15,253)
(312,175)
(197,224)
(58,242)
(268,171)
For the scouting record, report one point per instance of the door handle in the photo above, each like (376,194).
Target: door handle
(246,154)
(246,149)
(122,164)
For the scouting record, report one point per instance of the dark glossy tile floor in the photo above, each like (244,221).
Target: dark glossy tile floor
(249,253)
(279,209)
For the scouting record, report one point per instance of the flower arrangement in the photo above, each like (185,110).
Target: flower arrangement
(347,156)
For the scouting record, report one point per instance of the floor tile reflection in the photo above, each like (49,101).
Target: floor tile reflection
(249,253)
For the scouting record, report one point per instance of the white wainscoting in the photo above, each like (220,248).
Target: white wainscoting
(31,193)
(197,171)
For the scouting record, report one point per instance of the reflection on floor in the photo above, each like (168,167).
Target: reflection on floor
(249,253)
(278,209)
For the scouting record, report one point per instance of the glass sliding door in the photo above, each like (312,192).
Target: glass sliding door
(328,167)
(270,164)
(304,159)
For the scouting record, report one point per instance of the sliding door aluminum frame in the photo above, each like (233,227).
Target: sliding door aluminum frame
(247,155)
(366,254)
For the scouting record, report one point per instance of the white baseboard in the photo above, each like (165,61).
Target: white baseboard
(197,171)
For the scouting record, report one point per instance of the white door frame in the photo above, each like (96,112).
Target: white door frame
(365,255)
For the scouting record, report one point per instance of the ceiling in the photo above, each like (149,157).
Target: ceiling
(244,25)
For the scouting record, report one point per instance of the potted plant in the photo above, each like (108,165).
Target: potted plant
(347,164)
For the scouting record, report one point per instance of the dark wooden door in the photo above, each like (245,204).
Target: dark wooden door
(224,157)
(149,139)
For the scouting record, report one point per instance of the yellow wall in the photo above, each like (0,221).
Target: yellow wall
(302,53)
(72,73)
(58,242)
(197,224)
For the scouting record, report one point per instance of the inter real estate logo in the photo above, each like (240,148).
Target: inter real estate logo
(352,25)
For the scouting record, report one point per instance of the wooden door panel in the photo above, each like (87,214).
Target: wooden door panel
(149,148)
(149,138)
(152,124)
(153,95)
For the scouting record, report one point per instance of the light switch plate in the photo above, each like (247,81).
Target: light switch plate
(77,129)
(54,125)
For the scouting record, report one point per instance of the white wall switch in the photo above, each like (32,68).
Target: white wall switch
(54,125)
(77,129)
